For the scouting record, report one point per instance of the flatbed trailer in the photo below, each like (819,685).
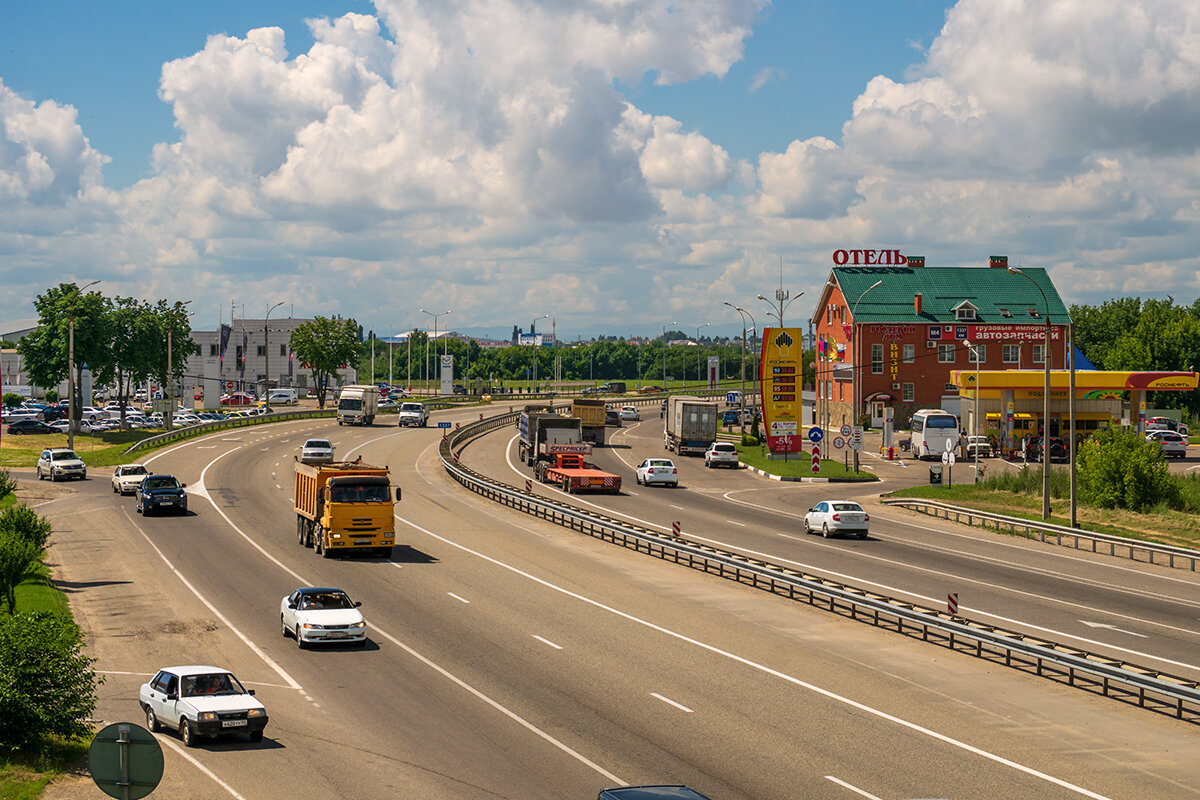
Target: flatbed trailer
(571,473)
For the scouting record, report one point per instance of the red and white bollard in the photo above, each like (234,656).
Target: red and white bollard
(952,602)
(528,485)
(675,528)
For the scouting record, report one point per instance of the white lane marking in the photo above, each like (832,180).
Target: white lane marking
(277,486)
(206,447)
(459,599)
(270,662)
(671,702)
(547,641)
(854,789)
(1113,628)
(195,763)
(830,695)
(681,508)
(739,524)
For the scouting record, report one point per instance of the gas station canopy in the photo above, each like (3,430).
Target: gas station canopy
(1090,384)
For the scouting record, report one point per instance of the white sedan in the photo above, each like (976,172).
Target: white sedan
(837,516)
(317,451)
(127,477)
(630,413)
(657,470)
(321,614)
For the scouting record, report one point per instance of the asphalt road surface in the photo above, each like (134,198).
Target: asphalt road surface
(510,658)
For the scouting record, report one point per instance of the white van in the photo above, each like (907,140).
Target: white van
(932,428)
(283,397)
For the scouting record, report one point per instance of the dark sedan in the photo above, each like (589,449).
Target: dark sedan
(161,493)
(29,426)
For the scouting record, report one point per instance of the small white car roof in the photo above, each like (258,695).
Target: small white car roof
(194,669)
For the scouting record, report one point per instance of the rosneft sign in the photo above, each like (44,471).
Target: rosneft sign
(782,380)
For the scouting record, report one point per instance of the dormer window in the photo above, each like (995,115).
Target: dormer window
(964,312)
(1004,312)
(1033,312)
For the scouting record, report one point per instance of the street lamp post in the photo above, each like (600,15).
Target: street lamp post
(973,352)
(533,342)
(1045,443)
(664,358)
(169,388)
(71,368)
(741,406)
(855,350)
(267,358)
(698,378)
(435,330)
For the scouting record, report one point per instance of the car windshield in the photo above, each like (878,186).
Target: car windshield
(64,455)
(350,404)
(138,470)
(411,407)
(161,482)
(846,506)
(365,493)
(324,600)
(318,444)
(219,683)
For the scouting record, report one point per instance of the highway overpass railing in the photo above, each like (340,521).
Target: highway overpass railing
(1111,677)
(1134,549)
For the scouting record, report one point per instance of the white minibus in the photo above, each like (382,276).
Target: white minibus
(932,428)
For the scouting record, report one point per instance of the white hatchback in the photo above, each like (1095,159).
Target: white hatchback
(657,470)
(837,516)
(630,413)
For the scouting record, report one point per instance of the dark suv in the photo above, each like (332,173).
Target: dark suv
(161,492)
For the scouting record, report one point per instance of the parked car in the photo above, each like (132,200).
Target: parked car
(837,516)
(159,493)
(721,454)
(59,462)
(630,413)
(1171,443)
(238,399)
(127,477)
(591,391)
(650,389)
(201,701)
(657,470)
(322,614)
(399,394)
(317,451)
(978,444)
(62,426)
(29,426)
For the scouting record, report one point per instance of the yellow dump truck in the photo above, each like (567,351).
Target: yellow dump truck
(593,413)
(345,507)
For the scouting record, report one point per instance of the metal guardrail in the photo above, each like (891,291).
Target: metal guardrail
(1111,677)
(1170,555)
(233,422)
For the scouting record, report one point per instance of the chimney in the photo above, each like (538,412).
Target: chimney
(998,262)
(916,262)
(917,301)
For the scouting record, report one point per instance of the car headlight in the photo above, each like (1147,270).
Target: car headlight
(256,712)
(312,626)
(359,625)
(207,716)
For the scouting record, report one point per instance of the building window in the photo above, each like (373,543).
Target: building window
(212,350)
(1039,354)
(876,359)
(1012,353)
(910,353)
(238,355)
(828,315)
(977,354)
(964,313)
(198,350)
(907,393)
(283,349)
(946,353)
(260,350)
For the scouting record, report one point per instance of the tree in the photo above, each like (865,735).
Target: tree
(45,349)
(24,522)
(326,345)
(19,558)
(47,685)
(1118,468)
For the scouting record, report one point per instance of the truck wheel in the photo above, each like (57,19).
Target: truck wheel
(300,529)
(318,539)
(566,485)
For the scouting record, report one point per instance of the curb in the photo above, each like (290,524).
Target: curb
(790,479)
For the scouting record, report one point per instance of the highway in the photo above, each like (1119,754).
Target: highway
(510,658)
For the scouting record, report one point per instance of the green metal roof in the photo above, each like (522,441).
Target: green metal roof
(992,291)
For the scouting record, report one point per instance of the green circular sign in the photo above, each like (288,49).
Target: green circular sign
(126,761)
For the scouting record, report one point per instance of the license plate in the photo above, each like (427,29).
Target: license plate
(362,541)
(338,635)
(232,723)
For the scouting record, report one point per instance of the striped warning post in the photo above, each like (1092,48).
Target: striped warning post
(675,528)
(528,485)
(952,602)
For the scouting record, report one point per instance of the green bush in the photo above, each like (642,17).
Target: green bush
(1028,480)
(25,523)
(47,685)
(1118,468)
(19,559)
(7,484)
(11,399)
(51,396)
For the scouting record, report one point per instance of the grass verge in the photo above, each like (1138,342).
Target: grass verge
(800,466)
(23,776)
(1162,525)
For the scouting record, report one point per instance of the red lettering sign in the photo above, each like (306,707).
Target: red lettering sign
(857,258)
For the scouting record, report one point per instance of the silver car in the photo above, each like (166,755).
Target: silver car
(60,463)
(127,477)
(1170,442)
(317,451)
(837,516)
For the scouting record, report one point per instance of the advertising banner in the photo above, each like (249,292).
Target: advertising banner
(714,371)
(782,380)
(447,387)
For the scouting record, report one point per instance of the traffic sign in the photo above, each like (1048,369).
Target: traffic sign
(950,445)
(839,442)
(948,457)
(229,385)
(815,434)
(125,761)
(856,438)
(443,424)
(845,431)
(816,457)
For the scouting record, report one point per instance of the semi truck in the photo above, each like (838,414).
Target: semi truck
(345,507)
(566,467)
(591,413)
(691,425)
(357,405)
(539,430)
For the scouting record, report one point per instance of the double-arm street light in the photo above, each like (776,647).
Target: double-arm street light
(1044,447)
(533,341)
(699,380)
(267,357)
(975,353)
(664,358)
(169,388)
(742,405)
(855,350)
(435,333)
(71,367)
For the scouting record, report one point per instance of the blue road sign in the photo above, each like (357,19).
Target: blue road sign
(815,435)
(443,424)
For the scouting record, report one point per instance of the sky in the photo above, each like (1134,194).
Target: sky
(620,165)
